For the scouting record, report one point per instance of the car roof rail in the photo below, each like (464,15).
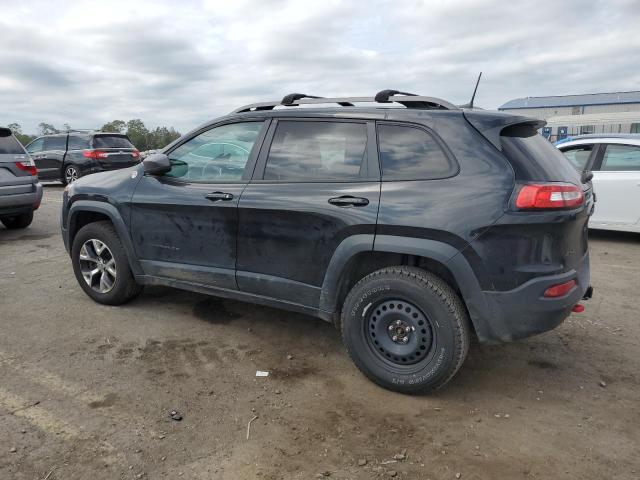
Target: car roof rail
(77,130)
(288,100)
(408,100)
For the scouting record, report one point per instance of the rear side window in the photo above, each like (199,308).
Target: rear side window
(410,153)
(534,158)
(78,143)
(578,156)
(111,141)
(621,158)
(316,151)
(9,144)
(55,143)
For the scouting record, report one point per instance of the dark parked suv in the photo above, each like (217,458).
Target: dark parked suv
(70,155)
(410,229)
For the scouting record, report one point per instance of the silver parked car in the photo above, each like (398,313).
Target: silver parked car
(20,190)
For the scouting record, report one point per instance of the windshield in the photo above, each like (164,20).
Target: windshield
(111,141)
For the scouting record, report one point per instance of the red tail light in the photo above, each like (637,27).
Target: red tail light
(549,196)
(27,166)
(559,290)
(95,154)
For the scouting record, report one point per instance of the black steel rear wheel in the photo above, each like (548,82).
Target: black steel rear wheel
(398,331)
(406,329)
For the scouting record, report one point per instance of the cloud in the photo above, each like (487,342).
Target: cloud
(183,64)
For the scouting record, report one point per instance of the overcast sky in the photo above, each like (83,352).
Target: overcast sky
(182,63)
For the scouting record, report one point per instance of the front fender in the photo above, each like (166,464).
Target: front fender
(113,214)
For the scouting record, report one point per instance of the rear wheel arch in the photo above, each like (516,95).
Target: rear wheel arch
(436,257)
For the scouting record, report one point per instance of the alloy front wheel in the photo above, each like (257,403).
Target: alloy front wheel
(98,266)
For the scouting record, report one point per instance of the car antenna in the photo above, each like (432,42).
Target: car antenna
(473,97)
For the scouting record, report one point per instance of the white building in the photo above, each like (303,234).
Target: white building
(569,115)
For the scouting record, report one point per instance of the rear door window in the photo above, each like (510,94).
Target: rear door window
(411,153)
(111,141)
(578,156)
(317,151)
(9,144)
(55,143)
(621,158)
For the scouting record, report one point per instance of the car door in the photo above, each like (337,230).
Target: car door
(616,183)
(184,223)
(50,159)
(316,183)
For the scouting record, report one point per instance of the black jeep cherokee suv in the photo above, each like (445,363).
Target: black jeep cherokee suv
(70,155)
(409,228)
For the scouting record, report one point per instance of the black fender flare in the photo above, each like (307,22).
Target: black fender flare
(446,254)
(116,219)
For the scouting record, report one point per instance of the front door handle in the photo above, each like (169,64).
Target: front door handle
(349,201)
(215,196)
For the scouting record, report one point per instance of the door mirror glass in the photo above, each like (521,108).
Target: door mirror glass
(156,164)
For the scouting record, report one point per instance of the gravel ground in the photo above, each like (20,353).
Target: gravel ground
(87,390)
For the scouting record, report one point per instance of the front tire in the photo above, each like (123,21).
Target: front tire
(101,265)
(406,329)
(18,221)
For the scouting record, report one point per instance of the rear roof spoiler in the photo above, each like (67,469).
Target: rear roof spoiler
(5,132)
(491,124)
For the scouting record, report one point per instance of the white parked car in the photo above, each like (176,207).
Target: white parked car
(615,163)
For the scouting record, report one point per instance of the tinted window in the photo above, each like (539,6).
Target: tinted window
(316,151)
(535,158)
(78,143)
(55,143)
(219,154)
(578,156)
(36,146)
(408,153)
(621,158)
(9,144)
(111,141)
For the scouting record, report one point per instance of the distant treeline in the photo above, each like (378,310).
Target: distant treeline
(138,133)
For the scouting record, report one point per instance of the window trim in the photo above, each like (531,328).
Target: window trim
(251,161)
(455,166)
(371,157)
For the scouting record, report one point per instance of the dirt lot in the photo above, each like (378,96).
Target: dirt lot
(86,390)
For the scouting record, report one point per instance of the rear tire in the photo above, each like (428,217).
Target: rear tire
(406,329)
(101,265)
(18,221)
(70,174)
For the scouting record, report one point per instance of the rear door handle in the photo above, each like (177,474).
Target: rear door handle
(215,196)
(349,201)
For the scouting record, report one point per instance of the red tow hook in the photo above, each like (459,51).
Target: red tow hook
(577,308)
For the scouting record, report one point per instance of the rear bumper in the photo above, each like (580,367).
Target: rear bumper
(523,311)
(21,202)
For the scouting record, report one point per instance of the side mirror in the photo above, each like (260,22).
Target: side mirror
(156,164)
